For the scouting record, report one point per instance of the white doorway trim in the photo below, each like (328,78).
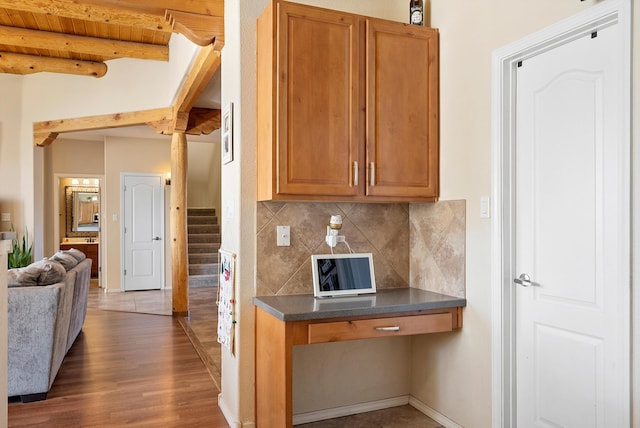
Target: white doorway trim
(504,63)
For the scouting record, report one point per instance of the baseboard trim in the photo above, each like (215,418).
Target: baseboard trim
(353,409)
(432,413)
(227,415)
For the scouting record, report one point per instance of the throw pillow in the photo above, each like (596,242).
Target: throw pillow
(43,272)
(65,259)
(53,273)
(79,255)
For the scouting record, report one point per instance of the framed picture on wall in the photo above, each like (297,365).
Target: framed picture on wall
(227,134)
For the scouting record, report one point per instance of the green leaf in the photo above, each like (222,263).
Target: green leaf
(21,254)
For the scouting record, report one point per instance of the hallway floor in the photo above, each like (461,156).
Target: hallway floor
(201,325)
(201,328)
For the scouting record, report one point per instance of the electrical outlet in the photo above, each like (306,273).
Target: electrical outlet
(284,236)
(5,217)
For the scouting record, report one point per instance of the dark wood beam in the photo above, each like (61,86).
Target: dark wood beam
(203,121)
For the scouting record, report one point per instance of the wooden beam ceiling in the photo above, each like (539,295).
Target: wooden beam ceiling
(45,130)
(95,31)
(35,39)
(103,12)
(76,37)
(28,64)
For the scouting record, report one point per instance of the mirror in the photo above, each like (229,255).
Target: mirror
(83,211)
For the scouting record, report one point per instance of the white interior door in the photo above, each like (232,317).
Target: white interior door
(143,232)
(572,238)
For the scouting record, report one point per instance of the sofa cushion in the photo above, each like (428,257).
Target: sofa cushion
(65,259)
(43,272)
(79,255)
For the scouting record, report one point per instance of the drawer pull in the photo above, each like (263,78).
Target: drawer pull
(355,173)
(394,328)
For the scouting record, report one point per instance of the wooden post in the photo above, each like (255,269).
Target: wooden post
(178,219)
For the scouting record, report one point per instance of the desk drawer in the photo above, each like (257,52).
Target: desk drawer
(379,327)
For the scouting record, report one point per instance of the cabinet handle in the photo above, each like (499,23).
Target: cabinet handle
(355,173)
(372,174)
(394,328)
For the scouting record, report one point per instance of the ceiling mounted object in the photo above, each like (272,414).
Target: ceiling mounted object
(77,37)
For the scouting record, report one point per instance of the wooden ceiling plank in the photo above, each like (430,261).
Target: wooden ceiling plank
(200,29)
(4,17)
(88,123)
(82,45)
(29,20)
(203,68)
(124,33)
(15,63)
(203,7)
(42,22)
(100,12)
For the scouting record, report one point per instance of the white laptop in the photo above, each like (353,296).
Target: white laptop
(342,274)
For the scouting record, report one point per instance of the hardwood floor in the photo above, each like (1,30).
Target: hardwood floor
(127,369)
(133,365)
(201,325)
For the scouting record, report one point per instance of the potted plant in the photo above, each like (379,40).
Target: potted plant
(20,255)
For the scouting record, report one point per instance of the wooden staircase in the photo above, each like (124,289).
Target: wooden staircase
(203,243)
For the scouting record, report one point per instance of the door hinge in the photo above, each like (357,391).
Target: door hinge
(125,272)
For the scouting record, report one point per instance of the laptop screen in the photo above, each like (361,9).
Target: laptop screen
(342,274)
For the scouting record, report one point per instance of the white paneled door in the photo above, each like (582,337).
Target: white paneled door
(572,238)
(143,231)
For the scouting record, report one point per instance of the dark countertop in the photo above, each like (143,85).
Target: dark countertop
(300,307)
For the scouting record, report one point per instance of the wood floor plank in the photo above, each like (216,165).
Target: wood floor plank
(127,369)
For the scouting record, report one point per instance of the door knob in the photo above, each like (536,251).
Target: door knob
(524,280)
(157,238)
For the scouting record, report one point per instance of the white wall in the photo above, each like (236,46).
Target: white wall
(11,200)
(635,264)
(203,177)
(451,373)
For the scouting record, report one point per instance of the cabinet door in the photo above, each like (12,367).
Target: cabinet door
(318,74)
(402,110)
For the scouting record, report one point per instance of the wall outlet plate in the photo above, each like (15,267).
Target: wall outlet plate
(284,236)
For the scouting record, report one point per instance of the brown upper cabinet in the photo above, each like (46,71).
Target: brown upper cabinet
(347,107)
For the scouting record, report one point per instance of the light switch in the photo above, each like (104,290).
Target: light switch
(484,207)
(284,236)
(230,209)
(5,217)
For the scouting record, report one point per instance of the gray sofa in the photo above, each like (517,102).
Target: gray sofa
(44,322)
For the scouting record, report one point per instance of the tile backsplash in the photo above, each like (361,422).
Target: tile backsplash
(406,246)
(438,247)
